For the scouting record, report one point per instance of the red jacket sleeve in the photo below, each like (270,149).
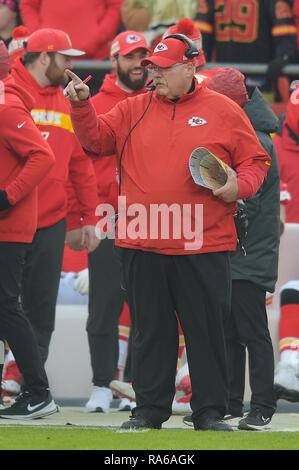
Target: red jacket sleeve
(83,180)
(30,13)
(249,158)
(26,142)
(251,177)
(86,125)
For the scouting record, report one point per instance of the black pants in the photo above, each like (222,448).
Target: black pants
(248,329)
(14,326)
(106,299)
(198,288)
(41,282)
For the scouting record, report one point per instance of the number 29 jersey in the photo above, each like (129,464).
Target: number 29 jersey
(252,31)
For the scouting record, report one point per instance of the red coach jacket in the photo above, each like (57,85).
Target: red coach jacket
(106,166)
(109,95)
(91,25)
(155,161)
(51,114)
(25,160)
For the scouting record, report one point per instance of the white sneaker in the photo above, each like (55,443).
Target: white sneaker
(126,405)
(123,389)
(100,400)
(286,382)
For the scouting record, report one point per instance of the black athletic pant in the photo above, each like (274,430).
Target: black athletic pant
(248,329)
(106,299)
(41,279)
(197,287)
(14,325)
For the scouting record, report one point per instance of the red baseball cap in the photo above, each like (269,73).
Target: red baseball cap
(51,40)
(167,53)
(127,42)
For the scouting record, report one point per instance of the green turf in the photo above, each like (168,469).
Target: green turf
(86,438)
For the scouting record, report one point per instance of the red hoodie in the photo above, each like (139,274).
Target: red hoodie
(91,25)
(25,160)
(51,114)
(155,163)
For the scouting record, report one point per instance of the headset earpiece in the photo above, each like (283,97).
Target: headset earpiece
(192,51)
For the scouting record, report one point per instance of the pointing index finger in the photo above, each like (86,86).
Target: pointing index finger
(73,76)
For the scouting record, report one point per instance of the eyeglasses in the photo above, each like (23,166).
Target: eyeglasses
(162,70)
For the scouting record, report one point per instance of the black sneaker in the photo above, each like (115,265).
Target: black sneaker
(212,424)
(25,408)
(137,422)
(288,394)
(255,421)
(188,420)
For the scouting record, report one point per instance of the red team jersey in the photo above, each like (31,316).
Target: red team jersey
(51,116)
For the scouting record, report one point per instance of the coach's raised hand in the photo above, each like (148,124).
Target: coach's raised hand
(76,90)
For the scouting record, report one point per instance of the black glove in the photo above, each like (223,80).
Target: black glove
(276,65)
(4,202)
(241,223)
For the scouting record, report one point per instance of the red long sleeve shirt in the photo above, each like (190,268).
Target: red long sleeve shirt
(155,161)
(25,160)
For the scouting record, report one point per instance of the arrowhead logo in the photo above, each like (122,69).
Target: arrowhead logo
(160,47)
(196,121)
(131,38)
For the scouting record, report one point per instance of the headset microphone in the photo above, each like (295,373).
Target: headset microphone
(150,87)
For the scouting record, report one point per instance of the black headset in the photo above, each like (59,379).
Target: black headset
(192,51)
